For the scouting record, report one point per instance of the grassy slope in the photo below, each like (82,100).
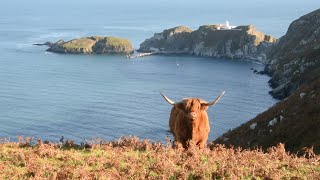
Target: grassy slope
(115,41)
(88,42)
(176,30)
(79,43)
(130,158)
(87,45)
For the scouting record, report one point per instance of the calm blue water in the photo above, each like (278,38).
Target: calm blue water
(46,95)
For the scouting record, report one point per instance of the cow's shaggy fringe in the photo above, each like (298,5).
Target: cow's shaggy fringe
(131,158)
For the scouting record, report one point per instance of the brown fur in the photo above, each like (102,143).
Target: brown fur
(186,129)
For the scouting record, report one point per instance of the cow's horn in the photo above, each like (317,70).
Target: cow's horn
(215,101)
(167,99)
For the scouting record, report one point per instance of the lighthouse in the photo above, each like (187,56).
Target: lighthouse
(226,26)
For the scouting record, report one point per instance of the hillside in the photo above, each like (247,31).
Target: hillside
(295,59)
(131,158)
(211,41)
(294,121)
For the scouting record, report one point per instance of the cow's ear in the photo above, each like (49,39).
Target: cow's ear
(204,106)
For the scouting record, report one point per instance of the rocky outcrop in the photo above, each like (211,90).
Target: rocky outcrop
(174,40)
(295,59)
(210,40)
(88,45)
(44,44)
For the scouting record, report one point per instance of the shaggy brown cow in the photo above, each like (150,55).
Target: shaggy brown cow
(189,120)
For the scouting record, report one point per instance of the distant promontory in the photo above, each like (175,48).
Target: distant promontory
(93,44)
(240,42)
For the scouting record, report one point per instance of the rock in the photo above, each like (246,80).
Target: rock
(253,126)
(154,49)
(302,95)
(262,72)
(94,44)
(281,118)
(241,42)
(176,39)
(273,122)
(44,44)
(295,59)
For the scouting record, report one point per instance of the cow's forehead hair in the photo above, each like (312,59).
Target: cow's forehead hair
(192,103)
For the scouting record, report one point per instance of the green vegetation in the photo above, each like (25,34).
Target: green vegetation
(112,45)
(78,43)
(208,27)
(131,158)
(116,42)
(82,45)
(93,44)
(179,29)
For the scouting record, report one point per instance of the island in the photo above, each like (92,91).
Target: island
(220,40)
(90,45)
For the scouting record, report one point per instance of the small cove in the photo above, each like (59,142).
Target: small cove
(96,96)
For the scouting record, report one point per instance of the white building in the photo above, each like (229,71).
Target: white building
(226,26)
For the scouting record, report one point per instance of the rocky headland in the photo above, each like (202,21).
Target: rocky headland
(295,59)
(93,44)
(295,70)
(241,42)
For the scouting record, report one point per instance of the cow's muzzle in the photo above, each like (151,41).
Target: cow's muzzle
(193,115)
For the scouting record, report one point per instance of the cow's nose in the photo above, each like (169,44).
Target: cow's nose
(193,115)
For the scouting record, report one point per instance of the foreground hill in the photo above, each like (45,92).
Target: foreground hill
(295,59)
(211,41)
(130,158)
(294,121)
(93,44)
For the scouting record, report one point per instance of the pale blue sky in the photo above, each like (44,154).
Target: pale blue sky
(167,13)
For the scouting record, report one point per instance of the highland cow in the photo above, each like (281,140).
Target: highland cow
(189,120)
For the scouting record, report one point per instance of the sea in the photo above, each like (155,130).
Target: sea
(46,96)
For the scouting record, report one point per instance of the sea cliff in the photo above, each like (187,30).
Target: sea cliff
(241,42)
(295,59)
